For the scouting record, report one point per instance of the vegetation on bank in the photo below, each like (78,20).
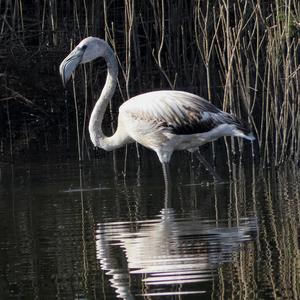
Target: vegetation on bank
(241,55)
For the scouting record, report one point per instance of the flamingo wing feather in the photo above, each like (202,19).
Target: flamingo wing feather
(179,112)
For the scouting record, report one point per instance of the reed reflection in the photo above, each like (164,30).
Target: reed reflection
(278,246)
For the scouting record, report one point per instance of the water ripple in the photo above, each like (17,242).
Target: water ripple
(168,251)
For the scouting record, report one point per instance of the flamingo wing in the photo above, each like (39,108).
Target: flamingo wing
(181,113)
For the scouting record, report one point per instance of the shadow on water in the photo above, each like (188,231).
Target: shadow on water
(87,233)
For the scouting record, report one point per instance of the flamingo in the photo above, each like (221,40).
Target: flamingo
(164,121)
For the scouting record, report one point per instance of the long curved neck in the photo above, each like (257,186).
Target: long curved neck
(95,123)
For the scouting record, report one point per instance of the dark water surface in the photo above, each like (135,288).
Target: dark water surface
(71,232)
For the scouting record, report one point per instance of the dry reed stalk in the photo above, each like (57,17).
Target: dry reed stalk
(53,18)
(129,24)
(77,119)
(85,116)
(9,131)
(159,17)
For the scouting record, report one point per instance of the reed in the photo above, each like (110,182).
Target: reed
(241,55)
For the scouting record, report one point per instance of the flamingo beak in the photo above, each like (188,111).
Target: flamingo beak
(70,63)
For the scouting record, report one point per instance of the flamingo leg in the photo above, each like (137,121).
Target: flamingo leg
(167,180)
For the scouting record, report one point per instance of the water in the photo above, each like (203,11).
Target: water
(86,232)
